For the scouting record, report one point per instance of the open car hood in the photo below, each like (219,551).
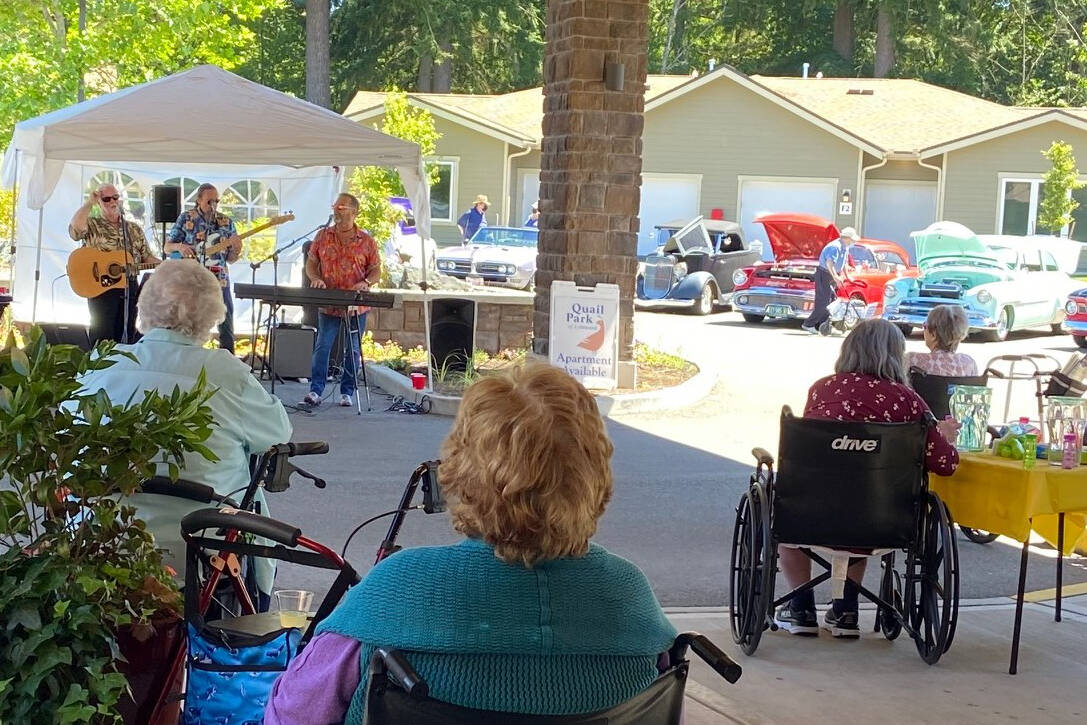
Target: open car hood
(949,240)
(797,236)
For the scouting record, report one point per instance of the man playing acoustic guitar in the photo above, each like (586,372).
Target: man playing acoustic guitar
(195,228)
(106,233)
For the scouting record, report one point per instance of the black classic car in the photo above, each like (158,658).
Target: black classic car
(693,266)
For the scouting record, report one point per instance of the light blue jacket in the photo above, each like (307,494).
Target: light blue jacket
(249,419)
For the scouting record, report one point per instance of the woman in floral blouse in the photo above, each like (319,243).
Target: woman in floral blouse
(869,384)
(945,327)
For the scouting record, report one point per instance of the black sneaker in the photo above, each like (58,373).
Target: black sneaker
(797,621)
(842,625)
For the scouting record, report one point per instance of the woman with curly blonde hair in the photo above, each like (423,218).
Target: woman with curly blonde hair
(525,615)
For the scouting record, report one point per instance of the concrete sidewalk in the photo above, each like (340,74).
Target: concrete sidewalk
(806,680)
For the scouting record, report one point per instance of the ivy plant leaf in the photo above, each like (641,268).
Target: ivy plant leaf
(25,615)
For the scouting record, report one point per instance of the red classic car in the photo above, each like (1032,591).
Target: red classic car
(785,288)
(1075,320)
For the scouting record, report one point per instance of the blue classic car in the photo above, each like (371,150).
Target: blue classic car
(693,266)
(1002,282)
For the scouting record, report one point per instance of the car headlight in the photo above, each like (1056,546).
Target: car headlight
(890,292)
(510,269)
(739,277)
(984,297)
(442,264)
(680,269)
(1070,307)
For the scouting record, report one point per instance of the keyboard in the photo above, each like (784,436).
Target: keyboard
(300,296)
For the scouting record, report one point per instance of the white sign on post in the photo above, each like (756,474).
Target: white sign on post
(584,339)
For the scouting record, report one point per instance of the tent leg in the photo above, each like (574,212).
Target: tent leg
(37,268)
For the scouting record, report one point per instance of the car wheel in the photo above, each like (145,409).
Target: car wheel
(1003,324)
(907,330)
(703,305)
(854,312)
(753,319)
(1080,340)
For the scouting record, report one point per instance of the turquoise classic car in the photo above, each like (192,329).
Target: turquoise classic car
(1003,283)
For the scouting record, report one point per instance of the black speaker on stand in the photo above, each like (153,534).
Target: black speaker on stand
(452,333)
(167,203)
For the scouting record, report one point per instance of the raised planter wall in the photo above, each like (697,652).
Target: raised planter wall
(503,319)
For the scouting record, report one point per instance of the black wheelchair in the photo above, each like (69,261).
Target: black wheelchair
(859,489)
(397,694)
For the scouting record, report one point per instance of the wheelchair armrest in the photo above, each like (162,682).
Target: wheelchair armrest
(708,652)
(244,521)
(762,456)
(393,664)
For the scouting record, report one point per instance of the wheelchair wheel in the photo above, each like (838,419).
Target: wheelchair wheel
(889,621)
(978,536)
(751,570)
(933,583)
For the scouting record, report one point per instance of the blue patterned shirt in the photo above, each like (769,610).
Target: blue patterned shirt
(193,229)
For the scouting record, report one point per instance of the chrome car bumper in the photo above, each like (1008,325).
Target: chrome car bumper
(757,301)
(915,313)
(499,279)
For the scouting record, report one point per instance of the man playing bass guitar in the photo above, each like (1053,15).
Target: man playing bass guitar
(196,228)
(107,233)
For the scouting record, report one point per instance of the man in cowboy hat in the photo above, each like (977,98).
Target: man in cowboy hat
(534,216)
(476,217)
(828,275)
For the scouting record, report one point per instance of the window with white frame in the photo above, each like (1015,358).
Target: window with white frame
(443,192)
(1020,198)
(188,189)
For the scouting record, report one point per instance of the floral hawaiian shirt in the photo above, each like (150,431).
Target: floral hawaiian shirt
(106,237)
(942,362)
(344,264)
(193,229)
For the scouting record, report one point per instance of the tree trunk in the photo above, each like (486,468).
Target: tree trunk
(425,81)
(443,71)
(81,87)
(885,42)
(673,42)
(844,37)
(318,87)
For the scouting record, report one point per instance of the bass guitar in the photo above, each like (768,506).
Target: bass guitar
(92,271)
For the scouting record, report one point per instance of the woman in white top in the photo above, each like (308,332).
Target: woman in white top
(945,327)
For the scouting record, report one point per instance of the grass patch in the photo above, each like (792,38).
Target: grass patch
(658,369)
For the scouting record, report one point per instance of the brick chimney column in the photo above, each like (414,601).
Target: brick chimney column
(591,160)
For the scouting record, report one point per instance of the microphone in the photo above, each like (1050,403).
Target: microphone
(329,222)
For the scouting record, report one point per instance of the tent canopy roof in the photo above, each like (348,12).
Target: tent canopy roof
(208,114)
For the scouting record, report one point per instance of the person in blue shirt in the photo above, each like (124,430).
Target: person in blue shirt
(534,218)
(476,217)
(828,275)
(192,230)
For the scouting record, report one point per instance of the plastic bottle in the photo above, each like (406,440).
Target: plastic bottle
(1030,443)
(1071,451)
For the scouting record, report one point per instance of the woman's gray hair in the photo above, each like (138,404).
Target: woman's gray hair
(181,296)
(875,347)
(948,325)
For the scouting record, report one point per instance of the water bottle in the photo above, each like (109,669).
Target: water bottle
(1070,459)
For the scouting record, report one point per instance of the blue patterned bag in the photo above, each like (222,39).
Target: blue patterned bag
(230,674)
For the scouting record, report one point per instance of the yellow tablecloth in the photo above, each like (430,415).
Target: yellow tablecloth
(999,495)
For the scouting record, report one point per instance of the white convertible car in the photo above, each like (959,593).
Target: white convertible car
(1003,282)
(503,256)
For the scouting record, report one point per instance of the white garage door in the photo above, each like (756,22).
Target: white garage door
(893,209)
(768,197)
(665,197)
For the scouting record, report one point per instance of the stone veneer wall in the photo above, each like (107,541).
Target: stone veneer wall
(504,322)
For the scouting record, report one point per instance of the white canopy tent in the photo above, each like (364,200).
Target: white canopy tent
(205,124)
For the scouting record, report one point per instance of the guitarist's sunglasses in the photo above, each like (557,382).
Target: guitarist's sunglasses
(108,199)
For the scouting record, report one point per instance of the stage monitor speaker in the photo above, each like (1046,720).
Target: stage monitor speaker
(63,333)
(292,350)
(167,202)
(452,333)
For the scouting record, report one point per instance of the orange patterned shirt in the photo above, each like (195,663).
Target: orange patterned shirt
(344,264)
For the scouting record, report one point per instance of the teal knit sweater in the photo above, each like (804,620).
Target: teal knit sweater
(567,636)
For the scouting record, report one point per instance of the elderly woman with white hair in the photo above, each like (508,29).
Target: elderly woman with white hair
(178,307)
(945,327)
(869,384)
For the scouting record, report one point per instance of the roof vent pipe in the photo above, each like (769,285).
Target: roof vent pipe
(804,72)
(713,63)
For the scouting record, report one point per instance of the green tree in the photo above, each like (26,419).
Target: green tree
(1056,207)
(45,57)
(373,185)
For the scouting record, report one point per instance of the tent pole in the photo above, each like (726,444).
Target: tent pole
(37,267)
(14,223)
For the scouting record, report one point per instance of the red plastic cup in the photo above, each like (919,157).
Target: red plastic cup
(418,381)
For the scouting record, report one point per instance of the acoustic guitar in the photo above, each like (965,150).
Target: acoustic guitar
(92,271)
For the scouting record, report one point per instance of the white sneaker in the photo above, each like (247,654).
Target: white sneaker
(345,401)
(312,400)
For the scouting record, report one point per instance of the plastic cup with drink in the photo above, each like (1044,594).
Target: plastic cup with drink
(293,606)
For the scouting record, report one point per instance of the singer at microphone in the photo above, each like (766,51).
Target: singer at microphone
(344,257)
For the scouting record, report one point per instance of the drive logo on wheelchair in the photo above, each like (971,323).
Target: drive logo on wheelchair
(868,445)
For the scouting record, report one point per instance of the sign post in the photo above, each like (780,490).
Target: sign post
(584,336)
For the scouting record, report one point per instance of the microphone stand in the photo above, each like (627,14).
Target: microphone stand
(130,277)
(254,318)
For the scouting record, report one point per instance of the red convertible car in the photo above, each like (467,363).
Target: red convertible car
(785,288)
